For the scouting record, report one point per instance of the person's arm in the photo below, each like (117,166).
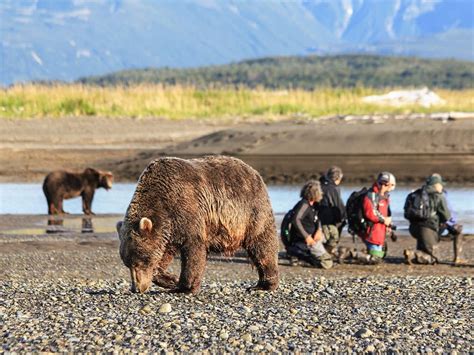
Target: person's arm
(371,212)
(340,206)
(299,215)
(443,210)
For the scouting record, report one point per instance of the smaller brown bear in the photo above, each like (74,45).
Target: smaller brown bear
(61,184)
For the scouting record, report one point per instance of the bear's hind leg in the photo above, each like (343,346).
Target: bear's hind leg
(193,263)
(60,207)
(264,256)
(163,278)
(54,206)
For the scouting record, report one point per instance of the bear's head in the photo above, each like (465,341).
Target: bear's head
(106,179)
(139,251)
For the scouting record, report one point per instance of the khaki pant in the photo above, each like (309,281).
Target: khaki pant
(332,236)
(315,255)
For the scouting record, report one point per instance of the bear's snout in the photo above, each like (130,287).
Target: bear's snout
(141,280)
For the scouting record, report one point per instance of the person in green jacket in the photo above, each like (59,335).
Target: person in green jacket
(426,231)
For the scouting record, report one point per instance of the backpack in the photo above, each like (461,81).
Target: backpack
(356,223)
(417,206)
(285,227)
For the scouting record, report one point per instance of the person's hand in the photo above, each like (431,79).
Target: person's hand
(387,221)
(393,236)
(310,241)
(317,235)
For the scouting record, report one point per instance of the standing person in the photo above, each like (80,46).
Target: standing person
(378,220)
(426,230)
(306,237)
(332,212)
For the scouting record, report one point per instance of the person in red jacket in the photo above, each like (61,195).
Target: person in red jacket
(377,213)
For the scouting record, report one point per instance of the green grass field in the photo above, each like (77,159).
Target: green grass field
(180,102)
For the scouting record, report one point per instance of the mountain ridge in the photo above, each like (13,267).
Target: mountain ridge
(68,39)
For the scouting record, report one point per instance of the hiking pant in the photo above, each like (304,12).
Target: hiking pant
(315,255)
(426,244)
(332,236)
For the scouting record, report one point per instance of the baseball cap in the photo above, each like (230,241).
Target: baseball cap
(435,179)
(385,178)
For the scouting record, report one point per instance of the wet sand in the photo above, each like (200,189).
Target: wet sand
(288,151)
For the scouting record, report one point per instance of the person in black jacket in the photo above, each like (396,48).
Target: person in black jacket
(332,212)
(306,237)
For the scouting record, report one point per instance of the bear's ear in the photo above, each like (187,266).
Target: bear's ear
(118,226)
(146,225)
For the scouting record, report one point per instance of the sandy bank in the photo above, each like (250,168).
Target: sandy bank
(286,151)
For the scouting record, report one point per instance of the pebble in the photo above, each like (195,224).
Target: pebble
(370,348)
(363,333)
(165,308)
(247,337)
(104,317)
(145,309)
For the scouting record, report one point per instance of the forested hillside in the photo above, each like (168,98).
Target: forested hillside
(307,72)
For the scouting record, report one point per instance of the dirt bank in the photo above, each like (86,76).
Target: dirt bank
(286,151)
(291,152)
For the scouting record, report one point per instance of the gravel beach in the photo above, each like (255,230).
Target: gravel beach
(70,292)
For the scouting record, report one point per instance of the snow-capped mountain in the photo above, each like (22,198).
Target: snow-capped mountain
(67,39)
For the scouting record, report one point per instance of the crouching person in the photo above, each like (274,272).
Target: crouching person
(332,212)
(425,226)
(306,237)
(375,206)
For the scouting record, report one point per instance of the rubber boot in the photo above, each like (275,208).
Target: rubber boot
(409,256)
(344,254)
(332,250)
(362,257)
(458,241)
(424,258)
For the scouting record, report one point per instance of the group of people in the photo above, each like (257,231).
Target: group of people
(315,223)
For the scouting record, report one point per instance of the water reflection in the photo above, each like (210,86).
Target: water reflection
(87,226)
(56,225)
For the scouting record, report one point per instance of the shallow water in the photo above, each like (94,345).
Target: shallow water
(29,199)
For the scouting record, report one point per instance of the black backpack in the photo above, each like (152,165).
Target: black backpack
(285,227)
(356,223)
(417,206)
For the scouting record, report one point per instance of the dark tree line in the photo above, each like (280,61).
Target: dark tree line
(307,73)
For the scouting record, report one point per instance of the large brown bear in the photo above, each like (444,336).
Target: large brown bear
(60,185)
(193,207)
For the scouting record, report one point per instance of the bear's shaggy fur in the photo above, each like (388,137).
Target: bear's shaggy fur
(193,207)
(61,185)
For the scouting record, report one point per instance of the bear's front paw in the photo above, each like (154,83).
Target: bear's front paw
(263,286)
(186,290)
(166,281)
